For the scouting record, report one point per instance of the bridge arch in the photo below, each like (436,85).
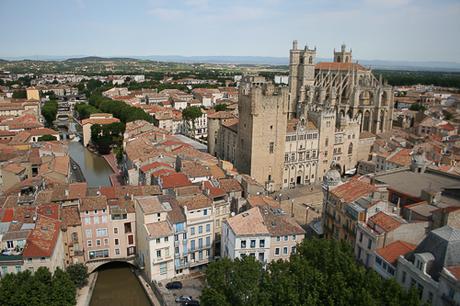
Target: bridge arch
(93,265)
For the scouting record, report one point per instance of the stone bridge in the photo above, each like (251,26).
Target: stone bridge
(96,263)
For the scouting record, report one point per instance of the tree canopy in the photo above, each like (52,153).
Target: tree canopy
(85,110)
(220,107)
(78,273)
(38,289)
(47,137)
(49,112)
(417,107)
(322,272)
(19,94)
(107,135)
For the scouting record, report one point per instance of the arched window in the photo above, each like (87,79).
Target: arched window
(350,148)
(310,60)
(338,58)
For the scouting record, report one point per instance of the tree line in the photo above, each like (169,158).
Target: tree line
(321,272)
(43,288)
(407,78)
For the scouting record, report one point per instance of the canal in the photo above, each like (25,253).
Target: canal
(94,167)
(117,285)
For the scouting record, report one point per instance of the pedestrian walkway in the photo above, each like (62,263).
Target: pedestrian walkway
(84,294)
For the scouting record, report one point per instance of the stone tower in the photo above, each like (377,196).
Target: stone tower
(262,109)
(343,56)
(301,75)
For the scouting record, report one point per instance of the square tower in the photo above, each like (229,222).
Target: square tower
(301,74)
(262,109)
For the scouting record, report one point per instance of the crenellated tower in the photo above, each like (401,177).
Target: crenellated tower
(263,109)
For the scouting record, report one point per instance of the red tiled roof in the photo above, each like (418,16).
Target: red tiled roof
(43,131)
(43,238)
(174,180)
(447,127)
(50,211)
(393,250)
(402,157)
(77,190)
(214,192)
(161,172)
(384,221)
(99,121)
(352,190)
(8,215)
(153,165)
(455,271)
(338,66)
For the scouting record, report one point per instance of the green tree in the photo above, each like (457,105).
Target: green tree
(220,107)
(417,107)
(47,138)
(321,272)
(20,94)
(63,290)
(49,112)
(192,113)
(79,274)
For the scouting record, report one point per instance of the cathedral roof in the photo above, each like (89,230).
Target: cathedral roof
(339,66)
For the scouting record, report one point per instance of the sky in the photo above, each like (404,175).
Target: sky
(415,30)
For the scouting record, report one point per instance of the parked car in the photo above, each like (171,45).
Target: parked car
(191,303)
(174,285)
(183,298)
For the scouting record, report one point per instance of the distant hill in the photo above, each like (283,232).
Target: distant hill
(250,60)
(98,59)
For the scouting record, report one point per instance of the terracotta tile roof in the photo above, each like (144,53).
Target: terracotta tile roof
(161,172)
(248,223)
(230,185)
(382,221)
(150,204)
(187,190)
(216,172)
(42,240)
(195,202)
(154,165)
(8,214)
(70,216)
(77,190)
(14,168)
(94,202)
(159,229)
(261,200)
(42,131)
(339,66)
(352,190)
(213,192)
(174,180)
(455,271)
(108,191)
(392,251)
(231,124)
(194,169)
(401,157)
(221,115)
(50,210)
(278,223)
(99,121)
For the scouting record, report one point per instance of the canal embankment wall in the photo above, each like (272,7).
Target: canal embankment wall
(84,294)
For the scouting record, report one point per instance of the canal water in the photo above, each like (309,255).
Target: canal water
(94,167)
(117,285)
